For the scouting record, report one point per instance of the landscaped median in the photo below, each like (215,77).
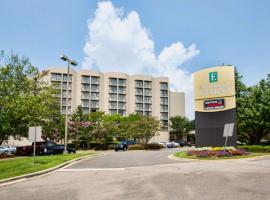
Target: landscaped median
(19,166)
(217,153)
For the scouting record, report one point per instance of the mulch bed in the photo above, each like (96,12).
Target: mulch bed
(5,156)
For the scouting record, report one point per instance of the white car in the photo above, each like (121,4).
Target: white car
(4,150)
(172,145)
(12,150)
(163,144)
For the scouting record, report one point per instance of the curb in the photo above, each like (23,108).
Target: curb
(172,157)
(25,177)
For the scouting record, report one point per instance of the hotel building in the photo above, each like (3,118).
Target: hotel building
(120,93)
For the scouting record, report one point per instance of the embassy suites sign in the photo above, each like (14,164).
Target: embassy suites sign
(214,83)
(215,105)
(213,89)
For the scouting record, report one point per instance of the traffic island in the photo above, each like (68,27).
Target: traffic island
(23,167)
(217,153)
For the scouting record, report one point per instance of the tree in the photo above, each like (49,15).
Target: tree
(241,93)
(254,112)
(180,126)
(25,101)
(126,127)
(79,127)
(144,128)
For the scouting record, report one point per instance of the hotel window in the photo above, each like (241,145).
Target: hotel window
(147,107)
(112,97)
(147,84)
(139,106)
(138,99)
(139,91)
(139,83)
(94,104)
(164,93)
(164,108)
(121,90)
(121,106)
(113,81)
(85,95)
(147,99)
(164,100)
(122,98)
(94,80)
(56,77)
(85,87)
(85,103)
(113,89)
(94,88)
(65,77)
(164,86)
(147,92)
(112,105)
(94,96)
(122,82)
(85,79)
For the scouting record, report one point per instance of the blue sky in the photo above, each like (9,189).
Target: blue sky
(229,31)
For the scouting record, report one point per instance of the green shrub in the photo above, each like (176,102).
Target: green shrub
(110,146)
(255,148)
(154,146)
(136,147)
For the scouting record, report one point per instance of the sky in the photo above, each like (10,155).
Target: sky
(157,37)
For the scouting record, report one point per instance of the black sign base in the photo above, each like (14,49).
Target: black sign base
(210,126)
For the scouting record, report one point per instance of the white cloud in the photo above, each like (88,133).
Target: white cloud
(120,43)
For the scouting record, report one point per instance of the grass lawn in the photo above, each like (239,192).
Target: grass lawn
(24,165)
(183,154)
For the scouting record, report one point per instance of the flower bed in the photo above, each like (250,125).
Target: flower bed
(216,152)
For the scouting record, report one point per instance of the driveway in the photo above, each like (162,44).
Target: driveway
(148,175)
(128,159)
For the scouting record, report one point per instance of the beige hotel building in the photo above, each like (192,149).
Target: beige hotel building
(120,93)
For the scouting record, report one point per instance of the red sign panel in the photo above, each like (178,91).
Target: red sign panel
(214,104)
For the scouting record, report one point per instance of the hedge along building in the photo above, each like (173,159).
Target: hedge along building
(215,105)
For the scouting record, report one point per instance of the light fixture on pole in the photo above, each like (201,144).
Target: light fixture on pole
(74,63)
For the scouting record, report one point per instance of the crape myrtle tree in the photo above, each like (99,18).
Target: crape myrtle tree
(25,101)
(79,127)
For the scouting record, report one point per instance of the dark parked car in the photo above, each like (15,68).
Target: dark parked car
(184,143)
(123,145)
(43,148)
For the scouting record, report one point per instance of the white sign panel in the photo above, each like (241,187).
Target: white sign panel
(31,133)
(228,130)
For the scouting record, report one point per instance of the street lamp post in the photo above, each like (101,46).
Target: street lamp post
(74,63)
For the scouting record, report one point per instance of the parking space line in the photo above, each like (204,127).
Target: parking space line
(90,169)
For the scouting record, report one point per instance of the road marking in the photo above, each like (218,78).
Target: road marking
(90,169)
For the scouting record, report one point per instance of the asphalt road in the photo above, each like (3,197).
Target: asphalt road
(148,175)
(128,159)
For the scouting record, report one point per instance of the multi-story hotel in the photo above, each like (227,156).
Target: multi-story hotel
(120,93)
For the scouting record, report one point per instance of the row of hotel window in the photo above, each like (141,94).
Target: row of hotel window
(113,89)
(112,81)
(121,98)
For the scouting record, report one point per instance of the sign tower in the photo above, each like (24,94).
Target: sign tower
(215,105)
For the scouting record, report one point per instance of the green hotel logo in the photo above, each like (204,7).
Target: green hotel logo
(213,77)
